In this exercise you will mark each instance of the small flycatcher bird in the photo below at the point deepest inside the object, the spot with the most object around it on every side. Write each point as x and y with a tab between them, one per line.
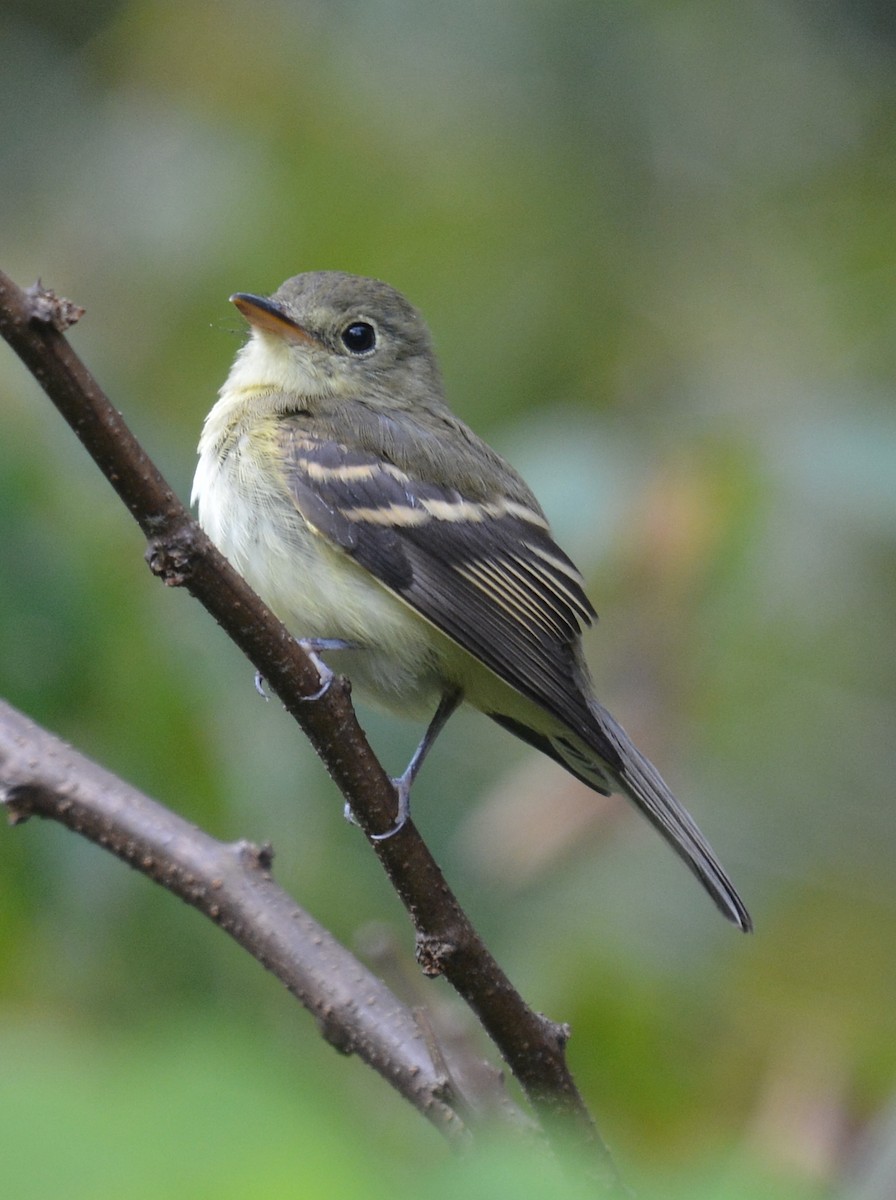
383	531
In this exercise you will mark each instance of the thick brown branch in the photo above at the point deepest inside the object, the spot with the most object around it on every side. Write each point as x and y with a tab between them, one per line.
179	551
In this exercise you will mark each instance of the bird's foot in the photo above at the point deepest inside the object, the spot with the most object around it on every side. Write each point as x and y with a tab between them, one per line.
313	648
402	787
403	791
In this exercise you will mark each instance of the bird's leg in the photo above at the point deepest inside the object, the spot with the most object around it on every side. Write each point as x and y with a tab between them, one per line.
313	648
405	781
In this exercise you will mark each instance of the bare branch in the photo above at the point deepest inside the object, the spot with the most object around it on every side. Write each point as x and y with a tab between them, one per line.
182	555
231	884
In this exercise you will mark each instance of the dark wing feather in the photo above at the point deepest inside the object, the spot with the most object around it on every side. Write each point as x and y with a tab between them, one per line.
488	574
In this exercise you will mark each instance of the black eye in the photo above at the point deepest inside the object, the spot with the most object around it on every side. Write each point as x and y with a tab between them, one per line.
359	337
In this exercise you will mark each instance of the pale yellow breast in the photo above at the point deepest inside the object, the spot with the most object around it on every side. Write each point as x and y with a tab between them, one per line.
315	588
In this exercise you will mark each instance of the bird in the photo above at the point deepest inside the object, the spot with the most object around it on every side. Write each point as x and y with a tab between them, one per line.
387	535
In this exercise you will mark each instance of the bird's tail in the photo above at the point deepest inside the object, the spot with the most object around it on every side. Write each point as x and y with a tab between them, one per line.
641	781
611	762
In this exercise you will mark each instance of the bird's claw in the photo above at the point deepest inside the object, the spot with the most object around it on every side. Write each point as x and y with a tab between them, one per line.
313	647
403	792
325	674
402	787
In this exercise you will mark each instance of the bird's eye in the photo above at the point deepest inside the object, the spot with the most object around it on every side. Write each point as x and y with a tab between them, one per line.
359	337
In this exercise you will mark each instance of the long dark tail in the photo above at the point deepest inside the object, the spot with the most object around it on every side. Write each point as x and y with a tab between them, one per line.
622	767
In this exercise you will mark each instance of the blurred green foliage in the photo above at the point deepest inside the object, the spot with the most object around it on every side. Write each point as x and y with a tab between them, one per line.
655	244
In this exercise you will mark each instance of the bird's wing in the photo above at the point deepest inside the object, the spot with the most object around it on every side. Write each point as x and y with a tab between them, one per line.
488	574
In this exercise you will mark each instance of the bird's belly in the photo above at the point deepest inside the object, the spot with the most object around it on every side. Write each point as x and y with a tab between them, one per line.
319	592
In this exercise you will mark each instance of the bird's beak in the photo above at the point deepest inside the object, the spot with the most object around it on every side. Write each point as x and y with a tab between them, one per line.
262	313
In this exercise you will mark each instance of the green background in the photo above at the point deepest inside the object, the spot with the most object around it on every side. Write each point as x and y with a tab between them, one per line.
655	243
